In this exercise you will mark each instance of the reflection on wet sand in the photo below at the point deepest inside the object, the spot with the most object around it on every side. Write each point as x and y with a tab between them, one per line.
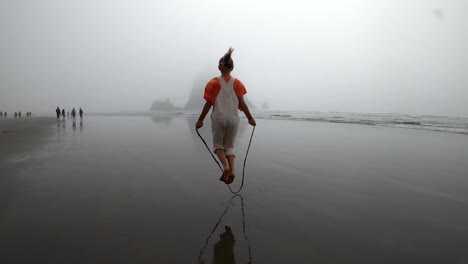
223	251
165	119
60	123
224	248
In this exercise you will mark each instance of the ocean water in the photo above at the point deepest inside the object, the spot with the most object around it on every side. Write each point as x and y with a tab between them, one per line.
420	122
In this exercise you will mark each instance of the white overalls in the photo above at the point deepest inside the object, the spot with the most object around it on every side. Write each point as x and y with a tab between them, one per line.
225	118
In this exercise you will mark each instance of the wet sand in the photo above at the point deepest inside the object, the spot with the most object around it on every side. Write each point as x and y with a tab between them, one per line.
22	134
138	189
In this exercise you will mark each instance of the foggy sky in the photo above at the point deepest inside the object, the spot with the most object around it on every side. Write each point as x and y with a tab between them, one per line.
353	56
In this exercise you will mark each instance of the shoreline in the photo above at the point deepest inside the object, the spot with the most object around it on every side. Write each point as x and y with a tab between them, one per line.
454	125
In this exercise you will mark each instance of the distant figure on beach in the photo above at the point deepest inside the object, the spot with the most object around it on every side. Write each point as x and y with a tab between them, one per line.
226	95
224	248
16	114
19	114
73	113
81	114
57	111
63	113
68	114
5	114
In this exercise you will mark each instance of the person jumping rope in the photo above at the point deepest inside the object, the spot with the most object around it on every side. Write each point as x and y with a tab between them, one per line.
226	95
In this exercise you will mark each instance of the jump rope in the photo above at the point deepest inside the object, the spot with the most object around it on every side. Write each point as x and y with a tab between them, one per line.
236	194
245	160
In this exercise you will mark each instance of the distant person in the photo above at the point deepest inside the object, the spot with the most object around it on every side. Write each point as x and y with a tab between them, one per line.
68	114
73	113
58	112
16	114
19	114
226	95
81	114
63	113
6	114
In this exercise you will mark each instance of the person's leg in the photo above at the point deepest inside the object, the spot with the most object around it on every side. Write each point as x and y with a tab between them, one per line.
230	138
224	162
217	128
232	175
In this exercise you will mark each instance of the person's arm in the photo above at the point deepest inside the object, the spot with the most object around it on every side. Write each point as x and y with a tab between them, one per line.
246	110
206	109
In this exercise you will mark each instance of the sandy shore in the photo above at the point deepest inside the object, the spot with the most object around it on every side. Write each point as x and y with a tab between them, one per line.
23	134
136	189
19	137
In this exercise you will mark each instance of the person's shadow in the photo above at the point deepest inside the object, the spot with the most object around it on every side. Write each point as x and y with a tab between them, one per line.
223	250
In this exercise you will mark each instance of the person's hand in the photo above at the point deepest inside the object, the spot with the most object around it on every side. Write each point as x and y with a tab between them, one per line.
199	124
252	122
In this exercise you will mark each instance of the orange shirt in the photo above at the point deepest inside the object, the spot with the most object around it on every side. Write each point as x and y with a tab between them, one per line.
214	86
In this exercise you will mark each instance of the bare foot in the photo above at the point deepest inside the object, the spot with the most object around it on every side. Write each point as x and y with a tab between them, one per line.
231	177
225	176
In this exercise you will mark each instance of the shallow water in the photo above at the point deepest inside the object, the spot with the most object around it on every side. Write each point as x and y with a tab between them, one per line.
144	189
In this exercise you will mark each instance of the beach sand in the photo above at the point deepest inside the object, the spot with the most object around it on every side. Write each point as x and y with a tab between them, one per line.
144	189
22	134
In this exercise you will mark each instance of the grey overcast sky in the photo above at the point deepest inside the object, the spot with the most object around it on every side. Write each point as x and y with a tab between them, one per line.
403	56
